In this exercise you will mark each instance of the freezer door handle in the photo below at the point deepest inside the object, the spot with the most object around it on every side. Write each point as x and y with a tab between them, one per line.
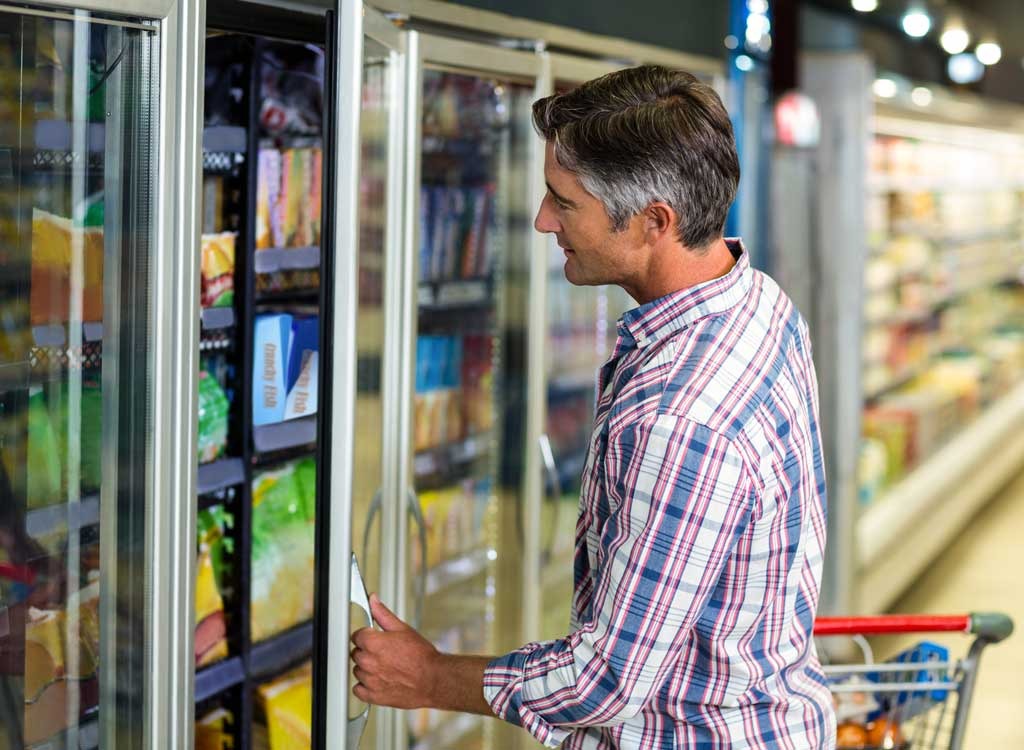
358	597
553	495
416	511
413	502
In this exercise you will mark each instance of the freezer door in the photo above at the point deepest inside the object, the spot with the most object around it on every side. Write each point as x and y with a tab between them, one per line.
463	570
358	485
78	238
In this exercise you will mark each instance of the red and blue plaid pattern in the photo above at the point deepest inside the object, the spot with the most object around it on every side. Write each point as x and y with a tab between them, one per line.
700	540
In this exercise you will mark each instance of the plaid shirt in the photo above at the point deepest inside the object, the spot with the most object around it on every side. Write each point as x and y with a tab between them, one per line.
699	543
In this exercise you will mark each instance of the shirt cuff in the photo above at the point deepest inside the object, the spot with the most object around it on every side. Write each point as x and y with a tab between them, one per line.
503	688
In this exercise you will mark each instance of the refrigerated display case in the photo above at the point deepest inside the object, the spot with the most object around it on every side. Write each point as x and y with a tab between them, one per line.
85	378
933	308
297	356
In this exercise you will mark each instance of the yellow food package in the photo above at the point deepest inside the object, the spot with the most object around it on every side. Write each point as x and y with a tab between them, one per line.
288	704
55	240
213	731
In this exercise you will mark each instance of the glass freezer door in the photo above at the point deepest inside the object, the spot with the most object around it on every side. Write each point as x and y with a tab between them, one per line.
357	487
77	146
472	248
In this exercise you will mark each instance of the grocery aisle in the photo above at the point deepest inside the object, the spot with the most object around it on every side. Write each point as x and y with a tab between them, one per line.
982	570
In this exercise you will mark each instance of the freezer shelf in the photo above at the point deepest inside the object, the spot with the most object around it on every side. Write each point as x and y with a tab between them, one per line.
63	517
217	678
278	653
903	530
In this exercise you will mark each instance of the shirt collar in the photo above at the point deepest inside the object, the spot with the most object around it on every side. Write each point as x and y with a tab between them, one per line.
678	310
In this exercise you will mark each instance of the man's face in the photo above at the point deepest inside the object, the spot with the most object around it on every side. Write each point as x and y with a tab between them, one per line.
594	252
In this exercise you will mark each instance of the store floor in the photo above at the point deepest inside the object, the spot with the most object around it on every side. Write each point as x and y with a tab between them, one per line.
984	570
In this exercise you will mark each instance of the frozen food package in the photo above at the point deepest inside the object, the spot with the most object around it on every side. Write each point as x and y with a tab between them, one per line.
316	194
282	554
47	443
218	270
213	731
211	628
272	342
54	240
302	368
211	576
51	636
213	418
268	188
287	703
302	183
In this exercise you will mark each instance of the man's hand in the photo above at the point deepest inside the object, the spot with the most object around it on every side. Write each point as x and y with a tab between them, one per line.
395	666
398	667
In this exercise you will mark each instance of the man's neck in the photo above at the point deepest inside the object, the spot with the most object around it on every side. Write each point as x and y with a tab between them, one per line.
676	268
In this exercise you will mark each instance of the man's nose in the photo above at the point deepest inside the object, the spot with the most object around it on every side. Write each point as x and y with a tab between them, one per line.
546	222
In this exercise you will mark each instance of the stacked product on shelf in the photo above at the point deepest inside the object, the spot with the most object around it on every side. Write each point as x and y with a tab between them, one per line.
454	227
212	565
214	730
944	306
285	367
283	517
453	518
454	378
62	647
287	706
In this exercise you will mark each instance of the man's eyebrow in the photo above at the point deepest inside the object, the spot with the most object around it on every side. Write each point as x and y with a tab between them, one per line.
560	198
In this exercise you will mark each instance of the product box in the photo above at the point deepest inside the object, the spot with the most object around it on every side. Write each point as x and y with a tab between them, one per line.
218	269
287	702
272	342
303	368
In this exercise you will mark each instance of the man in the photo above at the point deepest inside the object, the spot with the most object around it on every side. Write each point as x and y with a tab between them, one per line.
702	515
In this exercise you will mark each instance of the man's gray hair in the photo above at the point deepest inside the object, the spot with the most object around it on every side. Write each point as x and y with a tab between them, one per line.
648	134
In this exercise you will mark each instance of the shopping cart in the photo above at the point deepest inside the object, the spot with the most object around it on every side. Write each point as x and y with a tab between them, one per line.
917	700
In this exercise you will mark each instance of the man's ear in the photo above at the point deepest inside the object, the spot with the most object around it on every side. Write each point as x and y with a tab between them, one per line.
659	219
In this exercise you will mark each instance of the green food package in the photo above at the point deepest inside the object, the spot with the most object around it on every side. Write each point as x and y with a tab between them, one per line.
213	418
212	526
305	477
44	466
48	448
282	554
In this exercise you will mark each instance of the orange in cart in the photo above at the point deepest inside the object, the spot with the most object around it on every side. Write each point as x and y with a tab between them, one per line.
885	734
851	736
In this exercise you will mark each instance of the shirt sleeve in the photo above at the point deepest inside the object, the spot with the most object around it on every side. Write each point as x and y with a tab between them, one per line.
679	498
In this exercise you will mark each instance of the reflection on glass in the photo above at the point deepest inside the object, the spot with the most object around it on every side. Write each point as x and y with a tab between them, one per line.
74	103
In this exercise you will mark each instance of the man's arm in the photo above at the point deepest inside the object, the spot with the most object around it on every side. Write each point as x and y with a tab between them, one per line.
681	498
398	667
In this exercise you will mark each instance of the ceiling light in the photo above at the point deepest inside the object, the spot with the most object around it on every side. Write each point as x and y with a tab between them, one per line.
864	6
965	68
884	87
916	23
989	53
757	6
955	39
744	63
921	96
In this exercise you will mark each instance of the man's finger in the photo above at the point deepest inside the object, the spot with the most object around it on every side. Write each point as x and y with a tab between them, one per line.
362	675
360	691
387	619
358	637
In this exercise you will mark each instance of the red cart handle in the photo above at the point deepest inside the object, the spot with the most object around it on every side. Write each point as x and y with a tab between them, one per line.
993	627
